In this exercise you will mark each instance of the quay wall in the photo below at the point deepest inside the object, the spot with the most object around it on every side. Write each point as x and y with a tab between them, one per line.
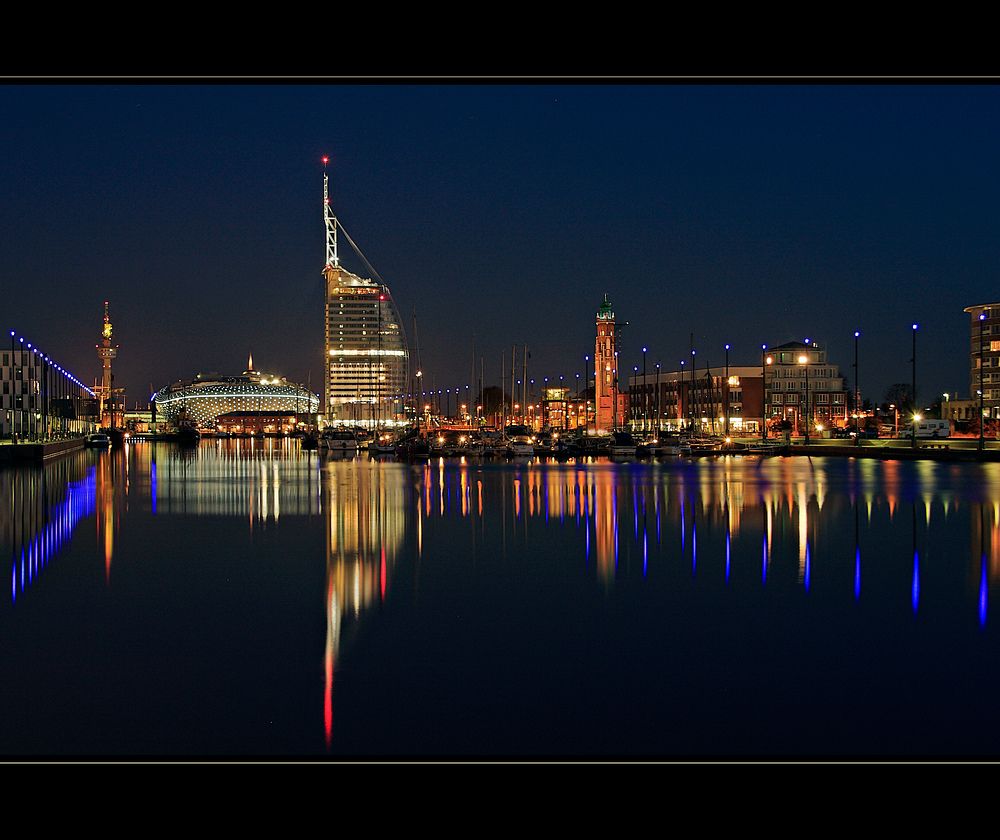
925	452
39	451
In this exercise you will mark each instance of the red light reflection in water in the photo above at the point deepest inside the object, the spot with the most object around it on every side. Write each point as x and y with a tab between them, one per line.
779	509
328	661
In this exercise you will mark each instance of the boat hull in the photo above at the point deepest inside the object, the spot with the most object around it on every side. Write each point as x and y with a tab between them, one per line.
339	442
520	447
413	450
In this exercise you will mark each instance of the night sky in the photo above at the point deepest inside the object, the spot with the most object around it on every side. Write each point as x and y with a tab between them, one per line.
500	215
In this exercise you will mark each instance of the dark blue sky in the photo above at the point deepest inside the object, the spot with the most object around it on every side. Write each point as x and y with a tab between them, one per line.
501	215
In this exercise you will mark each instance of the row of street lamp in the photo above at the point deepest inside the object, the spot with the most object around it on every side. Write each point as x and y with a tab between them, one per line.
19	345
803	360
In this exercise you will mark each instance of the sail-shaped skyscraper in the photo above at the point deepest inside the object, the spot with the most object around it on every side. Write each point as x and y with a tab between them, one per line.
366	355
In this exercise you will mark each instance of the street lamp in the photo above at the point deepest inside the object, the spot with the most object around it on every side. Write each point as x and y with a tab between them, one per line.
681	407
726	386
644	400
982	423
614	391
657	398
635	374
804	360
913	431
20	413
857	394
763	391
12	399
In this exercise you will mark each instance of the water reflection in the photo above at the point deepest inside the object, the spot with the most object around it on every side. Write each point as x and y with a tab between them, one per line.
365	517
41	509
670	541
710	512
789	506
257	479
819	512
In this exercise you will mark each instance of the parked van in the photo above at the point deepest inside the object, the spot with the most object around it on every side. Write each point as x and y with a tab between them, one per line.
933	428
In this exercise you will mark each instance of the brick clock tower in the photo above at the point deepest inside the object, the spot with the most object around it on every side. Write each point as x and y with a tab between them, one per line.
608	402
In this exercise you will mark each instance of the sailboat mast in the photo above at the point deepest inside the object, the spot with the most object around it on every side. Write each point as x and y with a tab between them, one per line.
503	402
524	384
416	341
513	368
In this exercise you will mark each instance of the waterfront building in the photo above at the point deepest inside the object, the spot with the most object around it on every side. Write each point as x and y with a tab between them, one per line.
555	410
255	423
140	420
698	401
609	400
205	398
960	411
365	346
793	381
802	386
40	399
984	357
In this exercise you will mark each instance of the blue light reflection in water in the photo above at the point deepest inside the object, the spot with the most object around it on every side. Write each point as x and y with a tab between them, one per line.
728	554
857	573
983	590
254	599
694	542
45	507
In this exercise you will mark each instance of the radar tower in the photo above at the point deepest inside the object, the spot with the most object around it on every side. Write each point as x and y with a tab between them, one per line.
332	259
106	353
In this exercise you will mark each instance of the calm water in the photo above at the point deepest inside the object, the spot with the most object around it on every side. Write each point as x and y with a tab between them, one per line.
248	599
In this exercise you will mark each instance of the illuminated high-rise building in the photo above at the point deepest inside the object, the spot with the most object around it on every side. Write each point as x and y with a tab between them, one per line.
366	355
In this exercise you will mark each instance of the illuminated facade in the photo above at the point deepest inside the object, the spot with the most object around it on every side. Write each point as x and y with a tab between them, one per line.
802	385
609	402
39	399
984	358
792	382
366	353
365	356
714	401
205	399
556	412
